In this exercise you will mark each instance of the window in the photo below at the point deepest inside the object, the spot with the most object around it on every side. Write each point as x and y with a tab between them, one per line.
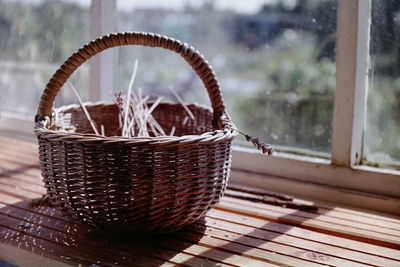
315	78
275	62
382	145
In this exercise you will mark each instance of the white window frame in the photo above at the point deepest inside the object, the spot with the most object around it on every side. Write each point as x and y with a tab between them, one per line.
342	178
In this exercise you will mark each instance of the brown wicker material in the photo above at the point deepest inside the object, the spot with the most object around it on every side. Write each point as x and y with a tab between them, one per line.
141	184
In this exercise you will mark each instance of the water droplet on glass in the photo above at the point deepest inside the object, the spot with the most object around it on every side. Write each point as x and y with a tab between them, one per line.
292	98
290	35
274	136
319	130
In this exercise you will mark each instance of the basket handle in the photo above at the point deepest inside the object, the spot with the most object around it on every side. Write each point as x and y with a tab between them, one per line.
192	56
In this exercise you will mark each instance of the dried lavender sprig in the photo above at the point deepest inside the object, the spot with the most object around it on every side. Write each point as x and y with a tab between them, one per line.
119	100
257	143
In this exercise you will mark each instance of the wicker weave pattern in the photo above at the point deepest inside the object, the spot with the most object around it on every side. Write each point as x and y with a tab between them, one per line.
152	184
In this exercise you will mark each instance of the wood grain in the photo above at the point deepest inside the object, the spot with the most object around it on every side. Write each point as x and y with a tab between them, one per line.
236	233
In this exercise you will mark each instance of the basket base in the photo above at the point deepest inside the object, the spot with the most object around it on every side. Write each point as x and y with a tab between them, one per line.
126	230
130	227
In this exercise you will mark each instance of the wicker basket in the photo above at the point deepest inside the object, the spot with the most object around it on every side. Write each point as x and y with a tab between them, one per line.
146	185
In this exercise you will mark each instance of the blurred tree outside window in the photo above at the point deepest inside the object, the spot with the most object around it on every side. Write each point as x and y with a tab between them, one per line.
36	37
275	61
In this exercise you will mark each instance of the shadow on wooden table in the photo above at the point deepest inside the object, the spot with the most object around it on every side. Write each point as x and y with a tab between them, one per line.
257	238
44	231
19	170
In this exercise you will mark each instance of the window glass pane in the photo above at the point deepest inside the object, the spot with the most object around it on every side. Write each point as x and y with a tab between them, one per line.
275	61
36	37
382	139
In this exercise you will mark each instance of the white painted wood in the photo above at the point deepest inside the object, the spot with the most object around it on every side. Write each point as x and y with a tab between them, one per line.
318	192
102	21
318	171
346	49
352	52
361	89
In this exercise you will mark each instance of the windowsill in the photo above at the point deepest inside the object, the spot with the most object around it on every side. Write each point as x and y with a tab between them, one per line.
311	177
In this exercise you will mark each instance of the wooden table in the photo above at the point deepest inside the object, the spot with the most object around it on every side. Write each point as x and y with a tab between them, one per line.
241	230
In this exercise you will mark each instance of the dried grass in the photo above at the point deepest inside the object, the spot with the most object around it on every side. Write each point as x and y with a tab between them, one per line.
92	123
182	103
128	100
135	116
136	119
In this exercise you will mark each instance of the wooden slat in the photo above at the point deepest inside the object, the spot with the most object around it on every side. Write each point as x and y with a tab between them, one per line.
194	255
21	159
23	185
45	222
12	201
93	249
26	172
49	222
230	240
12	175
20	148
316	247
32	216
19	154
52	224
211	252
44	247
237	233
304	234
4	141
186	258
59	240
228	248
301	238
333	211
277	213
75	256
319	215
18	192
21	257
357	216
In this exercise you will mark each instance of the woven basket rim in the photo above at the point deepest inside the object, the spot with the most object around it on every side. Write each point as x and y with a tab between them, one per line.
227	133
92	104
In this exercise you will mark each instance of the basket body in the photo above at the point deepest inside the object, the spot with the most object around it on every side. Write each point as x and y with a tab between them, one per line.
146	186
